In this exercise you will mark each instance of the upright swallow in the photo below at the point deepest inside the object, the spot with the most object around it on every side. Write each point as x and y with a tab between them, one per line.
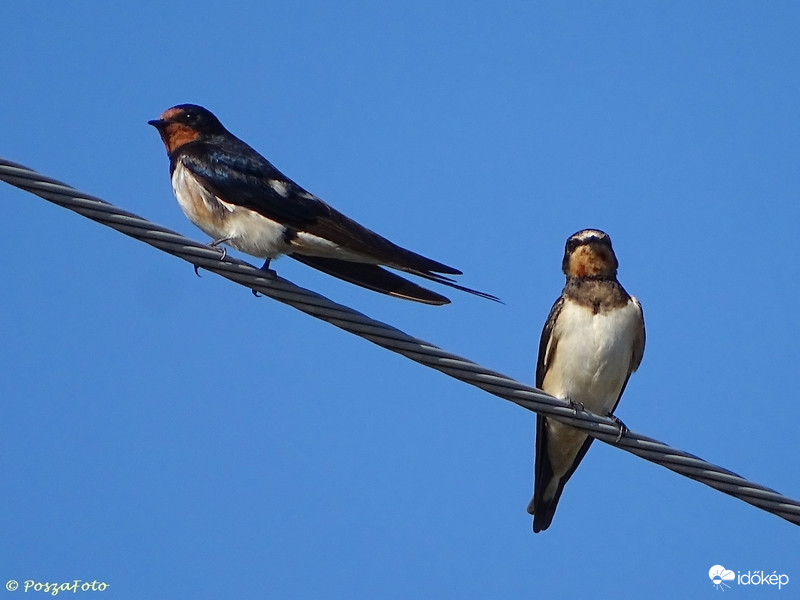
591	343
237	197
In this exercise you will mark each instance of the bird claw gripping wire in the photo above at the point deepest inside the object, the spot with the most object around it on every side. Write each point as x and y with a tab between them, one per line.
214	245
272	273
623	429
576	407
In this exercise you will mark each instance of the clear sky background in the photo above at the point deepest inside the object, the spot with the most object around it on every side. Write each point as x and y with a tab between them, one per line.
176	437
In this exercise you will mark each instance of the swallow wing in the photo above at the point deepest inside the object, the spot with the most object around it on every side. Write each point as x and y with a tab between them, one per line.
373	277
638	350
543	472
238	175
543	505
548	343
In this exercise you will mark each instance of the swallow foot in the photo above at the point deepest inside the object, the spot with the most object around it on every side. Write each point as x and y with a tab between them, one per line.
623	429
576	407
267	270
214	245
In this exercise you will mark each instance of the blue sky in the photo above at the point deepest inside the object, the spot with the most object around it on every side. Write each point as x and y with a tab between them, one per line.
176	437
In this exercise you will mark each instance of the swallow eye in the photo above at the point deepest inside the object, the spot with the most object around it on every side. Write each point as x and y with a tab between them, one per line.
189	117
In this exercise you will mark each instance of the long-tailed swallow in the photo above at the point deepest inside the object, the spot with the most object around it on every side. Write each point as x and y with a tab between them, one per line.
237	197
591	343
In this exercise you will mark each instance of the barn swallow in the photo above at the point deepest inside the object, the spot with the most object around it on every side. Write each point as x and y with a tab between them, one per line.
591	343
237	197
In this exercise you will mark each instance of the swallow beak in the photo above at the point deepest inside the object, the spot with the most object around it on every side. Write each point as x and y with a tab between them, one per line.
158	123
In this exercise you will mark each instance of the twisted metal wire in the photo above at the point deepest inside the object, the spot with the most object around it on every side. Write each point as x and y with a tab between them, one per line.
386	336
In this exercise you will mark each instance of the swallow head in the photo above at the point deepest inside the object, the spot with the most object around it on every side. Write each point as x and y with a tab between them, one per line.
589	255
186	123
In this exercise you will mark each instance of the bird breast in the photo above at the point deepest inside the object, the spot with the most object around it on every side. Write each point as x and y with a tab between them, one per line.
593	355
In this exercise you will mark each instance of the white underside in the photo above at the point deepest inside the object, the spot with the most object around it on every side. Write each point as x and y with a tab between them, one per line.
592	361
244	229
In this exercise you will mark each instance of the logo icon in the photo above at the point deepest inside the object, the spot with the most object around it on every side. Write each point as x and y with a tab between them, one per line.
719	575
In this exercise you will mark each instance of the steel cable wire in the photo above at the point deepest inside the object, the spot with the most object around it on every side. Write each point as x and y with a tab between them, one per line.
391	338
